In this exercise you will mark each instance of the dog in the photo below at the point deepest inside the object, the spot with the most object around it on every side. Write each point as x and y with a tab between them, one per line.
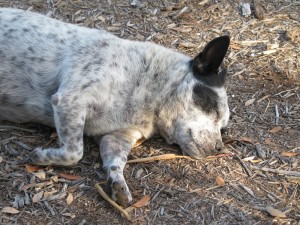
88	81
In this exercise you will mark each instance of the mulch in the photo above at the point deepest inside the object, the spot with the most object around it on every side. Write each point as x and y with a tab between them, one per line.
257	184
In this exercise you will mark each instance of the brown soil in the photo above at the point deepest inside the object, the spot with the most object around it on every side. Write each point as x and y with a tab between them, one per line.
264	77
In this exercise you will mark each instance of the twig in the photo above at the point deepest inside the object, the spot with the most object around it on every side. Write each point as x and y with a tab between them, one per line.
293	89
284	7
267	107
253	42
294	149
16	128
289	173
276	115
49	208
110	201
7	140
159	157
242	163
78	6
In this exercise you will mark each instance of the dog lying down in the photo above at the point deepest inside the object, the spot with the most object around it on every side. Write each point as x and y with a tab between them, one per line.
88	81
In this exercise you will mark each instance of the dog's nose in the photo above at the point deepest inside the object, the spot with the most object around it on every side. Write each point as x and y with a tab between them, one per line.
219	145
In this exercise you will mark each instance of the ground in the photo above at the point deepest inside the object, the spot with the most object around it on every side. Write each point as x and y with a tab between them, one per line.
264	133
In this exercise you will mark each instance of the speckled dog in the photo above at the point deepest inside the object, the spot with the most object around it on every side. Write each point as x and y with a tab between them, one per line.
88	81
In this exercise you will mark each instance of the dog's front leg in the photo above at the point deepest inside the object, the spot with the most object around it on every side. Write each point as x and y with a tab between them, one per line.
114	149
69	116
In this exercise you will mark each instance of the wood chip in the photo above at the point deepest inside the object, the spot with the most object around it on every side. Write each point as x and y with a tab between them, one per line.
260	152
284	172
187	45
294	180
275	212
41	175
37	197
69	199
249	102
9	210
258	10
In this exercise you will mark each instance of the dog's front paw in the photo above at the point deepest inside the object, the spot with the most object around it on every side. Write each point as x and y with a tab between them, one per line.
119	192
37	157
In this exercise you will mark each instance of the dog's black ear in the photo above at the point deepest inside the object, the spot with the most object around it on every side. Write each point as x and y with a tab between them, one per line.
209	60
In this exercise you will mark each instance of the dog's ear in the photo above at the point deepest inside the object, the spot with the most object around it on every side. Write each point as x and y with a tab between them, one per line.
209	60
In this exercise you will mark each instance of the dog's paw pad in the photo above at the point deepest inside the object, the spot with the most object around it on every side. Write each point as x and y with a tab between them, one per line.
120	192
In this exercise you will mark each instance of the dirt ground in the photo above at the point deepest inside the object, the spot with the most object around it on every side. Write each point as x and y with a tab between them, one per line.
261	178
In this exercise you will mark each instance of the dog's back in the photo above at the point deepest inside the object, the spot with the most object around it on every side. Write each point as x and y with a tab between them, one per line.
34	53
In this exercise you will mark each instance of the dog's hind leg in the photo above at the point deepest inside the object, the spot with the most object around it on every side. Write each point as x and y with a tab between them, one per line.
114	149
69	116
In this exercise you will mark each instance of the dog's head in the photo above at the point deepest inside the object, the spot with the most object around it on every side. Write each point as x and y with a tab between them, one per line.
197	110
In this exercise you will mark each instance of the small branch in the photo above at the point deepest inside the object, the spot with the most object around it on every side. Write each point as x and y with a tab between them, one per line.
159	157
289	173
2	127
242	163
110	201
276	115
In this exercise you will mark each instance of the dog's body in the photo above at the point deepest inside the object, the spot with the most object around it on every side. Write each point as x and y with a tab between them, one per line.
88	81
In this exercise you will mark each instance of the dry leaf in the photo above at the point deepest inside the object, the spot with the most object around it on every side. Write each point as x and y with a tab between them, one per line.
70	199
275	129
30	168
54	178
37	197
289	154
245	139
41	175
187	45
69	176
1	159
142	202
275	212
250	101
220	181
9	210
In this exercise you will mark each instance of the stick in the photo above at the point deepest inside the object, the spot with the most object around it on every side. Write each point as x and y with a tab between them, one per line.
294	149
110	201
289	173
276	115
159	157
16	128
243	164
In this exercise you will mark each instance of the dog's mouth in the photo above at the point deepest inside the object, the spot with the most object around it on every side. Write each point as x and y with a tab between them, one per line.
197	151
